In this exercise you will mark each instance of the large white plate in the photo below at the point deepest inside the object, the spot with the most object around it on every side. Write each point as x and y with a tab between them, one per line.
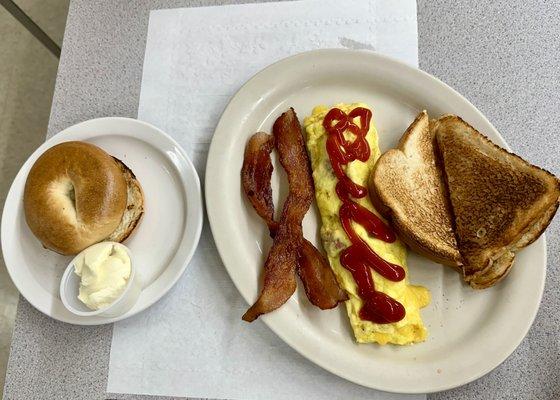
471	332
162	244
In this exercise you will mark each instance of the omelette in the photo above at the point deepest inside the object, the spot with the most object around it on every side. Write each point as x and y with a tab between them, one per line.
409	329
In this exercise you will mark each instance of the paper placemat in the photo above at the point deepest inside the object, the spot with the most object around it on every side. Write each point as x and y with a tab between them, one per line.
192	343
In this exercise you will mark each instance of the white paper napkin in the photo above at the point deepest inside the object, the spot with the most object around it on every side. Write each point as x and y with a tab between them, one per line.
193	343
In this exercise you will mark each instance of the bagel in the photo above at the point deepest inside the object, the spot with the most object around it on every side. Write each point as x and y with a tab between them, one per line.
77	195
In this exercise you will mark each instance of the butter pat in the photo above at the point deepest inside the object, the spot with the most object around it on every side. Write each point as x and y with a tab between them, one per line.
104	270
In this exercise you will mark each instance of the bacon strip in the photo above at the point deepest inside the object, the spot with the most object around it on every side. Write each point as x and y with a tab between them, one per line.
318	279
313	269
255	177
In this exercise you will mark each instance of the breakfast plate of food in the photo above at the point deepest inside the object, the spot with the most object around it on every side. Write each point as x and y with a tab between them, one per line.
101	221
377	222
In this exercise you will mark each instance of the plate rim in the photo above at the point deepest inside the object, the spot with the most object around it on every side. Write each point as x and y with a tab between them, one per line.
195	211
212	205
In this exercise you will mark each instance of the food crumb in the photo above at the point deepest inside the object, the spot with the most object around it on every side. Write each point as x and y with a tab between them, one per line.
438	370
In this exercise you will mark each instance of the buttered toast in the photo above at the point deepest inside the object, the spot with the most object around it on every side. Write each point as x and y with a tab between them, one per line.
407	187
459	199
500	202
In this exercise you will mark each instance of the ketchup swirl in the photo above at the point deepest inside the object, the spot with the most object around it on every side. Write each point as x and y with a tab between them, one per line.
359	257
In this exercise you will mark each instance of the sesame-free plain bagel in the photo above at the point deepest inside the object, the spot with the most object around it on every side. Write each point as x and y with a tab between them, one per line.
77	195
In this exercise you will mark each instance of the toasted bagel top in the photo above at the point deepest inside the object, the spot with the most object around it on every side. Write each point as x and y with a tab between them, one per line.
75	195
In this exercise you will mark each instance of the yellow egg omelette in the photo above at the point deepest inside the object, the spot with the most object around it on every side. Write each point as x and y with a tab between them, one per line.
410	329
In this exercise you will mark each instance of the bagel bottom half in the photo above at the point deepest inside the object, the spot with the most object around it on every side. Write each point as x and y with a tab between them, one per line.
134	205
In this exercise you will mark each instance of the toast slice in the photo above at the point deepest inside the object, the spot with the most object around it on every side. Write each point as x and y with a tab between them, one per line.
500	202
407	187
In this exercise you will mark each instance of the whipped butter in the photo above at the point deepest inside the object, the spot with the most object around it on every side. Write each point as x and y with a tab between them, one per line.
104	270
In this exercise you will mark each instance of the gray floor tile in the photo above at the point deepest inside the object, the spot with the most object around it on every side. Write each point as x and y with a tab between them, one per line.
27	77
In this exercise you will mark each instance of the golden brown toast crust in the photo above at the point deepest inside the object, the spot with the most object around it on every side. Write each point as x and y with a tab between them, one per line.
407	187
500	202
499	269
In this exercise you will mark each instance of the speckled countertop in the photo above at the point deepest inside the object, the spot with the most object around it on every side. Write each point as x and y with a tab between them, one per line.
504	56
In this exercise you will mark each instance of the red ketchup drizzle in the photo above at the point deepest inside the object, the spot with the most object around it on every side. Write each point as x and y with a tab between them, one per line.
359	257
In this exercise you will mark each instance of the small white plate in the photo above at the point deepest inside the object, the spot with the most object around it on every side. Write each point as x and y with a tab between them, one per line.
471	332
162	244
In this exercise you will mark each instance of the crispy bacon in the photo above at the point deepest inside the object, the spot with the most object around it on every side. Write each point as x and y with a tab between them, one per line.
281	263
287	252
318	278
255	176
